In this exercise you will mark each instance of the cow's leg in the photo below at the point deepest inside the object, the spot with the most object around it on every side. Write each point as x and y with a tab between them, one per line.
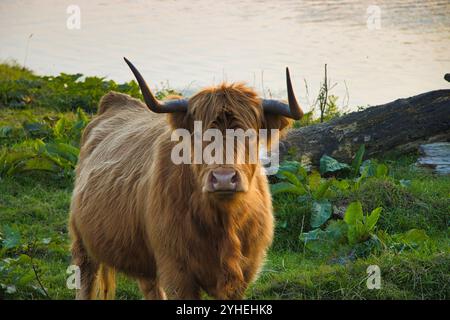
151	289
182	289
230	286
88	270
177	282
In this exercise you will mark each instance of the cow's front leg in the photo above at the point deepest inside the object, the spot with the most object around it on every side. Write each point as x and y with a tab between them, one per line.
182	287
177	281
231	285
230	282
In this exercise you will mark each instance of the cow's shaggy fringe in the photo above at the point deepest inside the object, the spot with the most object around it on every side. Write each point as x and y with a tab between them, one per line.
136	212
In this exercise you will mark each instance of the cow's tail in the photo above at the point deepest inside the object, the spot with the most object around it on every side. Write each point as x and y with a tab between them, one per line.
106	283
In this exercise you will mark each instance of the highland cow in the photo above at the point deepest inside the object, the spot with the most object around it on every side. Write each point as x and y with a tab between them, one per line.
178	229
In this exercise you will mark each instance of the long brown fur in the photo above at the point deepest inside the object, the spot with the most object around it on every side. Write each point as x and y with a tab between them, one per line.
136	212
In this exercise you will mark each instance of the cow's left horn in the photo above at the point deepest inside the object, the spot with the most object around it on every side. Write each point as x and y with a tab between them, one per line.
179	105
291	110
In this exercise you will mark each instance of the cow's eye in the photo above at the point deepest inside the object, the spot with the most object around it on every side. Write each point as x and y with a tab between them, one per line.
234	125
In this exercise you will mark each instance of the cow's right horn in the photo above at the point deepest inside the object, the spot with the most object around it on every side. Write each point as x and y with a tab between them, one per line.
179	105
291	110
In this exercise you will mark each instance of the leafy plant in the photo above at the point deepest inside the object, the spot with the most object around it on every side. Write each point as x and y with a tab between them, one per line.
357	160
411	239
357	171
356	229
360	227
52	146
65	92
331	165
295	179
21	272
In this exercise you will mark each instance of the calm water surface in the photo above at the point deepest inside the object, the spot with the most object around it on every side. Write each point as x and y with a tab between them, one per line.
195	43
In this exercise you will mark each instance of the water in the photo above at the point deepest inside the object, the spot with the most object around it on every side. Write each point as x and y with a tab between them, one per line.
195	43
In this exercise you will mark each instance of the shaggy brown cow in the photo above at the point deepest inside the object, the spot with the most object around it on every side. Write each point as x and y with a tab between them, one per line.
177	229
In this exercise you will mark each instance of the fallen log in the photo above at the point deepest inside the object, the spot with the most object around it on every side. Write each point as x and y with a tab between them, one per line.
401	125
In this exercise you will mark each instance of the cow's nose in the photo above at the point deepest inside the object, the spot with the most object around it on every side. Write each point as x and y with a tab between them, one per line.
224	179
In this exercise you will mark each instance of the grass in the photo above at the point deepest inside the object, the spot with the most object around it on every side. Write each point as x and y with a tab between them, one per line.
422	273
411	275
13	71
36	206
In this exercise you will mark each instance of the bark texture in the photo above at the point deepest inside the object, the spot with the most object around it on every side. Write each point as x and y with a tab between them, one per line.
401	125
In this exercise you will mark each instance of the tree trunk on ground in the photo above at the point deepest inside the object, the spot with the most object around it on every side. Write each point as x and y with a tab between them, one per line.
401	125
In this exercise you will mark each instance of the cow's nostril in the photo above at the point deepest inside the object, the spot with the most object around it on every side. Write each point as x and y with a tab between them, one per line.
224	179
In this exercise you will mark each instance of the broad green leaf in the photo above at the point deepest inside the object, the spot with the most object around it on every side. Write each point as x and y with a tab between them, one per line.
290	166
364	174
321	212
286	187
367	169
82	116
63	150
354	213
382	171
355	232
341	184
77	127
322	241
11	237
372	219
292	178
329	164
40	164
36	129
15	158
356	163
302	173
414	237
323	188
314	180
337	230
367	245
38	145
59	128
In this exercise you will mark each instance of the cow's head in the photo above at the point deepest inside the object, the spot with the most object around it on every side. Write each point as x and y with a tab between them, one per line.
224	107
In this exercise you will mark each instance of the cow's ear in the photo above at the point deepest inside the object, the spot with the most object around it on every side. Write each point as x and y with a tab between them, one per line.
180	120
274	121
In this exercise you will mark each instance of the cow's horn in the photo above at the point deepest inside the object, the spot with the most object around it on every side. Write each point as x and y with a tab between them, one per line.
291	110
179	105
